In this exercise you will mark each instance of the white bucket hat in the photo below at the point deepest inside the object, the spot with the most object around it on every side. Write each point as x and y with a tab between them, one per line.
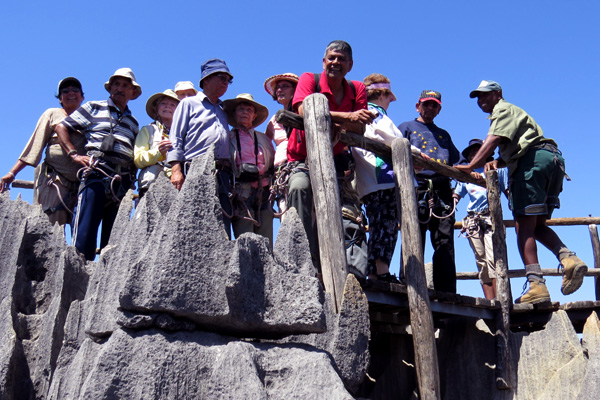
185	85
125	73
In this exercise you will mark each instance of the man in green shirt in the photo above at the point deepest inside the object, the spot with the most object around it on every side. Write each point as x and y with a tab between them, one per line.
536	170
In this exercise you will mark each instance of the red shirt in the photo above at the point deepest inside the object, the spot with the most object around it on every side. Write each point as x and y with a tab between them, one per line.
306	86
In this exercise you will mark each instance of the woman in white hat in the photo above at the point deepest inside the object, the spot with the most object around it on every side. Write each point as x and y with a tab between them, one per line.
152	143
375	180
185	89
282	88
253	154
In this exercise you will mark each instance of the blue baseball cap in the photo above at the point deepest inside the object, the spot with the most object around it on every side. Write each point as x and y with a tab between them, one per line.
213	66
485	86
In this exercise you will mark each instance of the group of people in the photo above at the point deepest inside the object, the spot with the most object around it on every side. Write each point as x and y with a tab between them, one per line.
94	150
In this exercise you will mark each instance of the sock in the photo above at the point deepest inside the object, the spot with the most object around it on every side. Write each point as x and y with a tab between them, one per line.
534	273
561	252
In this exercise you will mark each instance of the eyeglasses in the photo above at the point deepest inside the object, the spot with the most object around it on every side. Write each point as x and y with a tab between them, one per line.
283	87
225	78
70	90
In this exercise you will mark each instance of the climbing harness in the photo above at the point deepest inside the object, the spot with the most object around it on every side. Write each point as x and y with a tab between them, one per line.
430	200
279	186
474	223
94	166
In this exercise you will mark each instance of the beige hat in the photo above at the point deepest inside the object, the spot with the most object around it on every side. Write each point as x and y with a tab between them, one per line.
125	73
229	107
185	85
272	81
154	98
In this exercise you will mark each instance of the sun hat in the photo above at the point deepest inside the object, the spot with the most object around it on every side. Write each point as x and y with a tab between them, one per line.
66	82
154	98
472	144
125	73
427	95
272	81
213	66
485	86
229	107
185	85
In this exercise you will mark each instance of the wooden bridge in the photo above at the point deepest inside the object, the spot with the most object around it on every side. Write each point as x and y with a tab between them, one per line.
395	306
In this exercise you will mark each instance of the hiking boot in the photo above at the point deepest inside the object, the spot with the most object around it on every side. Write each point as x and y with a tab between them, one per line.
537	293
574	271
391	278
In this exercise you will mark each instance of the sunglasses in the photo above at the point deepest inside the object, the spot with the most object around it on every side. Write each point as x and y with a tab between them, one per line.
70	90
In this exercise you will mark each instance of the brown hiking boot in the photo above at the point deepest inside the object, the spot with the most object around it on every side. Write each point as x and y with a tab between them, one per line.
574	271
537	293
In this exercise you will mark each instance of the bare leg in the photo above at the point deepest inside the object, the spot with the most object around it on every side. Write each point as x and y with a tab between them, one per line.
382	268
489	289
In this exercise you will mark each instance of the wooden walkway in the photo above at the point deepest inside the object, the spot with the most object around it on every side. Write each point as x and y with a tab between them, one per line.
389	309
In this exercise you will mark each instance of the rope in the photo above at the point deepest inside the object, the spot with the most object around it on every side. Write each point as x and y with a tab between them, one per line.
84	172
279	187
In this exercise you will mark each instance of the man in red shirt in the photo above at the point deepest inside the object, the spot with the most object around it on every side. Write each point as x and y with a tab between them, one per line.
348	107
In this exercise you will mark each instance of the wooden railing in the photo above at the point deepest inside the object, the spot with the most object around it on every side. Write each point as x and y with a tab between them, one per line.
317	124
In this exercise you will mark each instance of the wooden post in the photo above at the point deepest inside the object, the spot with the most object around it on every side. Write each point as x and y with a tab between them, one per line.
421	320
504	377
596	251
317	125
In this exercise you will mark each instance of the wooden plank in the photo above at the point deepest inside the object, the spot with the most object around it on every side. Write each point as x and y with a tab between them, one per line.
575	221
289	118
326	196
580	304
596	251
421	320
520	273
504	359
17	183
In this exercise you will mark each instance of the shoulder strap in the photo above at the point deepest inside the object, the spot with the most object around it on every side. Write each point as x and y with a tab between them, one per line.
317	84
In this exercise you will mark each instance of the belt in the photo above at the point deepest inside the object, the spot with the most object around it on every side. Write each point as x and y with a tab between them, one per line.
546	146
223	164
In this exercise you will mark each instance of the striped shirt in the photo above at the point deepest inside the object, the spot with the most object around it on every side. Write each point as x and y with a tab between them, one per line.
96	119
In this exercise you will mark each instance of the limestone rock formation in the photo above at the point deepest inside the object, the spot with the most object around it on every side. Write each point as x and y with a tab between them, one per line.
171	308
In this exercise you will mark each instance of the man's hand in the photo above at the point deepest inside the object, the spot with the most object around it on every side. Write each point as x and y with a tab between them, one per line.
361	116
177	177
464	168
424	157
6	181
493	165
84	161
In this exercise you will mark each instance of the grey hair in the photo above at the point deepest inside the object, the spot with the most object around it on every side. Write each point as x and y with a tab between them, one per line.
339	46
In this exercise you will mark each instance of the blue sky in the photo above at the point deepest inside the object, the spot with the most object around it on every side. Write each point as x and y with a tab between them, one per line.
544	54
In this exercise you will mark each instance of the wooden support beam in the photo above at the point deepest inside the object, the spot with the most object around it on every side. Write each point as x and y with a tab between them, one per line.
289	118
520	273
504	374
509	223
17	183
596	251
332	253
421	320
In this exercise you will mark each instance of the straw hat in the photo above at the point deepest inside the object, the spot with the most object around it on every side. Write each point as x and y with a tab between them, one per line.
229	107
272	81
125	73
154	98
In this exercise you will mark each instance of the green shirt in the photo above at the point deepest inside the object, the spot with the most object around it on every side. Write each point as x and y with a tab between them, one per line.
513	123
